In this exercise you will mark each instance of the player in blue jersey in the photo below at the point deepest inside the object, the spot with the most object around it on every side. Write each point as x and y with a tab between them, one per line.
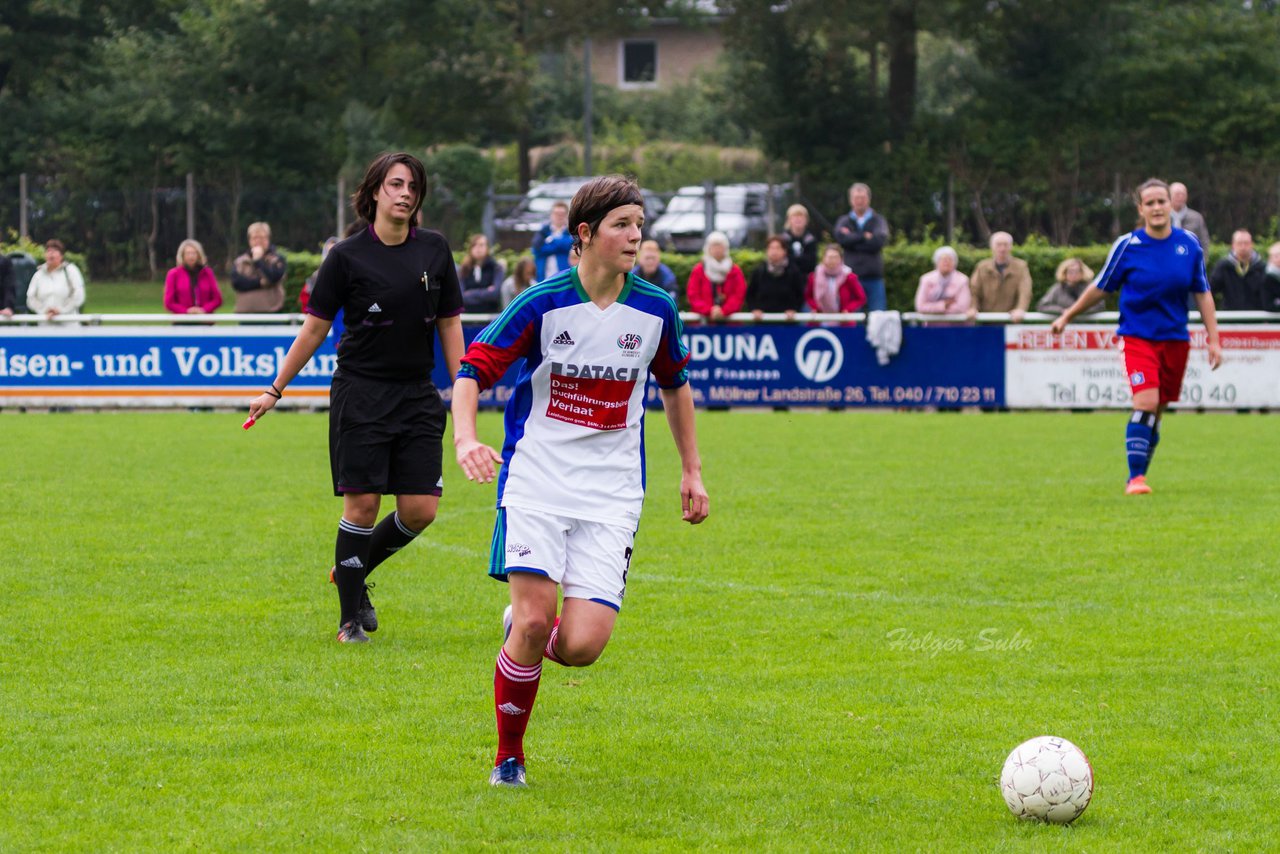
572	481
1154	268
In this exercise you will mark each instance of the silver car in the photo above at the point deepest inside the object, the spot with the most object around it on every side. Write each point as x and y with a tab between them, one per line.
742	213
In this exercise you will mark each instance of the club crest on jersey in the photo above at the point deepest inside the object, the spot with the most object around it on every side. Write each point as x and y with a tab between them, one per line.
595	372
1137	378
629	341
1181	250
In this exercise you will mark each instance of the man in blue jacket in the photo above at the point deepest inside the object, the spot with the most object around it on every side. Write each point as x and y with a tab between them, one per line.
552	243
863	233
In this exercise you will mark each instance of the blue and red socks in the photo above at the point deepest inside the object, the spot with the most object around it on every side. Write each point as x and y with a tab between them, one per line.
1139	441
515	687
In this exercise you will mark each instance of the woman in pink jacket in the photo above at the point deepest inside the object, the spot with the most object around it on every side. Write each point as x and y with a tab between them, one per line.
190	287
943	290
833	287
716	286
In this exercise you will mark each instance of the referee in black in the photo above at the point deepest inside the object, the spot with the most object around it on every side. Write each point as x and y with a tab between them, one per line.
397	286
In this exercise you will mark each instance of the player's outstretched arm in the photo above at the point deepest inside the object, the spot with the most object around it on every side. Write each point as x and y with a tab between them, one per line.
475	458
695	505
1090	297
310	337
1209	315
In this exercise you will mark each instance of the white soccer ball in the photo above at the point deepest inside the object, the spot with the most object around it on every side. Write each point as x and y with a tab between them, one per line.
1047	779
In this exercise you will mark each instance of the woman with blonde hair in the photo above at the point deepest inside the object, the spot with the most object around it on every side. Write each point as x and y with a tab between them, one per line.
1070	281
191	287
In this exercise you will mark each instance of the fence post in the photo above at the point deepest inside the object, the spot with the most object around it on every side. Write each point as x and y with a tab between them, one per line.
23	231
487	216
586	108
342	207
191	206
708	209
951	208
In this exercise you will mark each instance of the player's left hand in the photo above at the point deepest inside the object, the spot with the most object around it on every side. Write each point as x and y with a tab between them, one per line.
694	503
1215	356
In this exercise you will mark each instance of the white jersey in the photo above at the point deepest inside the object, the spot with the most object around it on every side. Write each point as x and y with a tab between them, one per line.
575	438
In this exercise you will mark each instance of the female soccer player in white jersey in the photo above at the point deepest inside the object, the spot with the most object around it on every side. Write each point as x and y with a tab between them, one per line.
572	480
1154	268
397	287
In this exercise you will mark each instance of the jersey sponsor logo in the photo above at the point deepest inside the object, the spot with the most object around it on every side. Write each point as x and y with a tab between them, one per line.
511	709
597	402
629	341
564	339
353	562
595	372
819	355
375	308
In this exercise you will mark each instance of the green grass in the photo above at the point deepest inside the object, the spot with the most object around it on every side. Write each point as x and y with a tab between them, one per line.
170	679
140	297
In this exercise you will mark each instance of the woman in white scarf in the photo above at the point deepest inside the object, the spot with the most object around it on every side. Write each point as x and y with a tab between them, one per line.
716	284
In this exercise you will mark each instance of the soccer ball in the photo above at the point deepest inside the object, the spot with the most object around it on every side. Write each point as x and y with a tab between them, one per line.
1047	779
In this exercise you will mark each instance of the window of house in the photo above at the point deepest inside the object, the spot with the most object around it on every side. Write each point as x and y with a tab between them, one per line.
639	63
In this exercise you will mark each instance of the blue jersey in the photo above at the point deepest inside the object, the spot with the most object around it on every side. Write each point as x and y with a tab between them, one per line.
1154	278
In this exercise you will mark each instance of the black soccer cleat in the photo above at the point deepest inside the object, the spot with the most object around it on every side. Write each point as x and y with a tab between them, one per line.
368	616
352	632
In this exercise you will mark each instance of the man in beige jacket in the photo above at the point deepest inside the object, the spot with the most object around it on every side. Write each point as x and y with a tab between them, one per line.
1001	282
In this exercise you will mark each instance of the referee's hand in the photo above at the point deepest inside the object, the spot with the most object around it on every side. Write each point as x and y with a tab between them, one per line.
260	405
477	460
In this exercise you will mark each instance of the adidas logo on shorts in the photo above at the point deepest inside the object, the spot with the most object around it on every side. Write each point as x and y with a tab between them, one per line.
564	338
353	562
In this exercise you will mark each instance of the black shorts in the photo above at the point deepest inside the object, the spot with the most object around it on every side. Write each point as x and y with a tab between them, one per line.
385	437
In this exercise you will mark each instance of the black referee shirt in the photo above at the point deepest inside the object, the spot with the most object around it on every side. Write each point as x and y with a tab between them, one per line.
391	297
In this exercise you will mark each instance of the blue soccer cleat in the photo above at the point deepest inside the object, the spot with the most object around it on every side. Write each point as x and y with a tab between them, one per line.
509	773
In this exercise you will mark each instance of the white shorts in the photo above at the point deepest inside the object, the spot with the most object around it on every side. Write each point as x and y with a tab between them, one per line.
589	560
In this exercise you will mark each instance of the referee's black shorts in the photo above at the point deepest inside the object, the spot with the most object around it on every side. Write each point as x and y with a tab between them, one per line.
385	437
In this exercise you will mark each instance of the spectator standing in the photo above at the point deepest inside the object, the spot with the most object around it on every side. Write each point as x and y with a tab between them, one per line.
257	276
649	267
944	289
802	243
1238	279
716	285
1186	218
863	233
1001	282
8	286
1271	285
191	287
833	288
552	243
1070	281
57	287
481	277
776	283
522	276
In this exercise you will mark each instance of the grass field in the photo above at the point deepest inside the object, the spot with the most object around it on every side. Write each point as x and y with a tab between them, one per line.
128	297
881	606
